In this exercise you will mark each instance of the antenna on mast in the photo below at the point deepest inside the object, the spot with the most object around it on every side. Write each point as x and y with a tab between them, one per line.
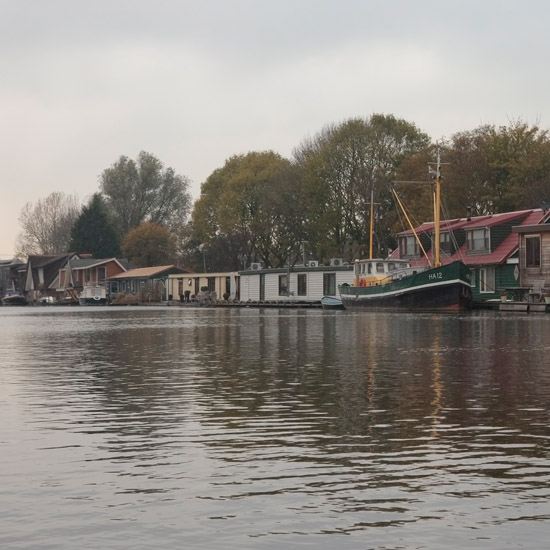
371	232
436	175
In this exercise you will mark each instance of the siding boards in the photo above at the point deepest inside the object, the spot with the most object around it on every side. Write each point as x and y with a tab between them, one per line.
250	283
531	274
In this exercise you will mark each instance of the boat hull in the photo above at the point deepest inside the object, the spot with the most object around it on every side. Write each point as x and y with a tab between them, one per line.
331	302
14	300
94	301
446	288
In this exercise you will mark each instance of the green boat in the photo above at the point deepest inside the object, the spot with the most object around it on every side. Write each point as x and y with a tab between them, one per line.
394	284
447	287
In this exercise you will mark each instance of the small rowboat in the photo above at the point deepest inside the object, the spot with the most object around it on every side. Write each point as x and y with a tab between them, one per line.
331	302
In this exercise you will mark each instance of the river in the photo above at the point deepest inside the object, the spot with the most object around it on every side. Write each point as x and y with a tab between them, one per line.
168	428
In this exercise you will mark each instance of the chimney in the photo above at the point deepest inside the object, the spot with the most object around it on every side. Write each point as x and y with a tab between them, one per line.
468	213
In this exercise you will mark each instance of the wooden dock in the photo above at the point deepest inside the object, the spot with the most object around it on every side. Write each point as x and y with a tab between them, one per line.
524	307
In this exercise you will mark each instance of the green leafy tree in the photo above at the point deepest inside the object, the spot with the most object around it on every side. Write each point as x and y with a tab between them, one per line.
148	245
498	169
247	211
342	167
489	169
93	232
144	190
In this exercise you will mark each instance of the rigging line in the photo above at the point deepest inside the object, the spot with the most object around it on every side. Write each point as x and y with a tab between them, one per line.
451	233
399	213
411	226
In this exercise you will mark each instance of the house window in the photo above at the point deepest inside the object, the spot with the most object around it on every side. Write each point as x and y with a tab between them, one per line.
329	284
445	244
283	285
211	281
408	247
532	251
101	274
302	284
477	240
487	279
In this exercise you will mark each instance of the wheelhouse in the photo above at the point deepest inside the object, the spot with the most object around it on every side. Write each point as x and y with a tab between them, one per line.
377	271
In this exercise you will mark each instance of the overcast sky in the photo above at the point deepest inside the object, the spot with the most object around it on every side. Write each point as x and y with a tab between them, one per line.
83	82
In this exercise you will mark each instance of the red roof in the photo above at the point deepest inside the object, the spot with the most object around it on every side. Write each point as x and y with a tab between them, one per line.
498	256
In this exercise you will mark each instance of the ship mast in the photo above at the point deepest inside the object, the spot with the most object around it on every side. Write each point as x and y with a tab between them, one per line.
437	208
371	221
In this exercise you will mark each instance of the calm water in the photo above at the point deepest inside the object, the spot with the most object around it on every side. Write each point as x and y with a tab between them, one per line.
146	428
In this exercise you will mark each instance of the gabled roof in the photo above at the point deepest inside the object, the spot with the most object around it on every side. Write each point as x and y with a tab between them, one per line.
149	272
11	263
503	252
50	264
86	263
489	220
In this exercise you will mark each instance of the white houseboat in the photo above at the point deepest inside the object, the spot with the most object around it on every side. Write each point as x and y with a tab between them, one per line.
300	283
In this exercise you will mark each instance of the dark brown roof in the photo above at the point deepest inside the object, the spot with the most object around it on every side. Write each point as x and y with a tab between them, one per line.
149	272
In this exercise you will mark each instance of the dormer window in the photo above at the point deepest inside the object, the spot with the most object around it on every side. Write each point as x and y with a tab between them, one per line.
477	240
445	243
408	247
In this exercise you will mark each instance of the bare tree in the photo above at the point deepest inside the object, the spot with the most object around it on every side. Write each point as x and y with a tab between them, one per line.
145	190
46	225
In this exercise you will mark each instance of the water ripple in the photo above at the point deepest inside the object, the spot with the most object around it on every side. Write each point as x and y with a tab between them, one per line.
204	428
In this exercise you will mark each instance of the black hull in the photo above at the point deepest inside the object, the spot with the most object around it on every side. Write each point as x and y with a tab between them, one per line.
92	302
452	297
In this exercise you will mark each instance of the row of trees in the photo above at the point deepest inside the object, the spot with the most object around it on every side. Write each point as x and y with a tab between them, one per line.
263	207
140	206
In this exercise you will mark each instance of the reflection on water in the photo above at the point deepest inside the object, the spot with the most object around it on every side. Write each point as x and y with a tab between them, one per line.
242	428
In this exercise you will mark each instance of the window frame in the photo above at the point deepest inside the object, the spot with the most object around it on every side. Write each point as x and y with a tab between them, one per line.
283	285
329	284
487	280
408	247
533	257
302	284
211	284
446	243
472	244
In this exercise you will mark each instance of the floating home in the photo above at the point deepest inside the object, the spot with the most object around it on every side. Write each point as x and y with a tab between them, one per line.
294	284
488	245
146	284
189	287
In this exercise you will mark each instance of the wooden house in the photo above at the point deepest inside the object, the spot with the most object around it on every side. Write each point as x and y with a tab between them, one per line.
42	276
208	286
295	284
84	276
144	284
534	255
488	245
10	280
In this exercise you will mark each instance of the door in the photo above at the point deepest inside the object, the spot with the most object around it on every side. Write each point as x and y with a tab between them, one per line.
262	287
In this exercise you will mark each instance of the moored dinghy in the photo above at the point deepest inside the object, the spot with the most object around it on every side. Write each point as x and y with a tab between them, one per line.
331	302
93	296
14	298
